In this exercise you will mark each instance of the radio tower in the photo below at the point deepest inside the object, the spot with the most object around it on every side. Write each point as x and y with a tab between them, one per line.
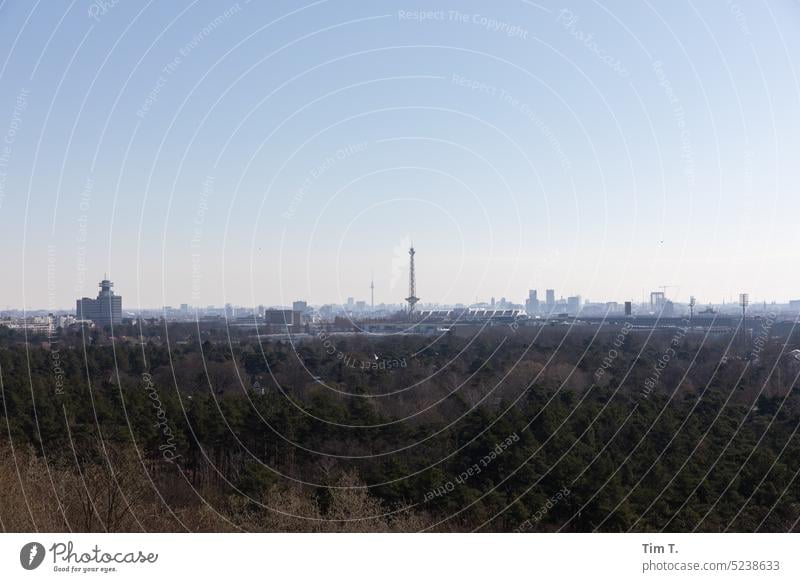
412	283
372	292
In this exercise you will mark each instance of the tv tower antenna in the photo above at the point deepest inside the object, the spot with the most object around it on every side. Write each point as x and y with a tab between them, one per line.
412	283
372	291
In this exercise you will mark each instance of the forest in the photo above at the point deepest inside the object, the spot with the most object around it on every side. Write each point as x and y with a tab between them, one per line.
568	428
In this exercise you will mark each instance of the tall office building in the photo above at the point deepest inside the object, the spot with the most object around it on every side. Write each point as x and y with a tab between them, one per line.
573	304
532	303
103	311
657	301
550	298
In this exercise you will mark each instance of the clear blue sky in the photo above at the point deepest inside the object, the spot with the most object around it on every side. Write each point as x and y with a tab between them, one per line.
256	153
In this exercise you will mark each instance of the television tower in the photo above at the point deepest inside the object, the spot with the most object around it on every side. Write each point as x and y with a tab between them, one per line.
412	283
372	292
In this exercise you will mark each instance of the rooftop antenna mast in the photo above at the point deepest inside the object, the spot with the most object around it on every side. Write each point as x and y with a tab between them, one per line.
372	291
412	283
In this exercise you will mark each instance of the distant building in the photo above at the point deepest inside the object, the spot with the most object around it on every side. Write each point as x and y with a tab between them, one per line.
550	299
103	311
657	301
574	304
532	303
300	306
628	308
36	324
281	317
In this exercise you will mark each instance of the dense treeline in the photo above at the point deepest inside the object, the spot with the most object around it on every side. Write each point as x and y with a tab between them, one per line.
506	430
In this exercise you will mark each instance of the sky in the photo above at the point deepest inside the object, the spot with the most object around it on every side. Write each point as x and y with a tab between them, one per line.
258	153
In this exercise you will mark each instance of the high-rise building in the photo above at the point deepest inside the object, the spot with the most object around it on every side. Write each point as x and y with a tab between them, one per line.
103	311
574	304
300	306
550	298
657	301
532	303
628	308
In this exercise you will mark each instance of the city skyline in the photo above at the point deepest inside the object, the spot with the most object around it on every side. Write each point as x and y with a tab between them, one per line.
544	297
